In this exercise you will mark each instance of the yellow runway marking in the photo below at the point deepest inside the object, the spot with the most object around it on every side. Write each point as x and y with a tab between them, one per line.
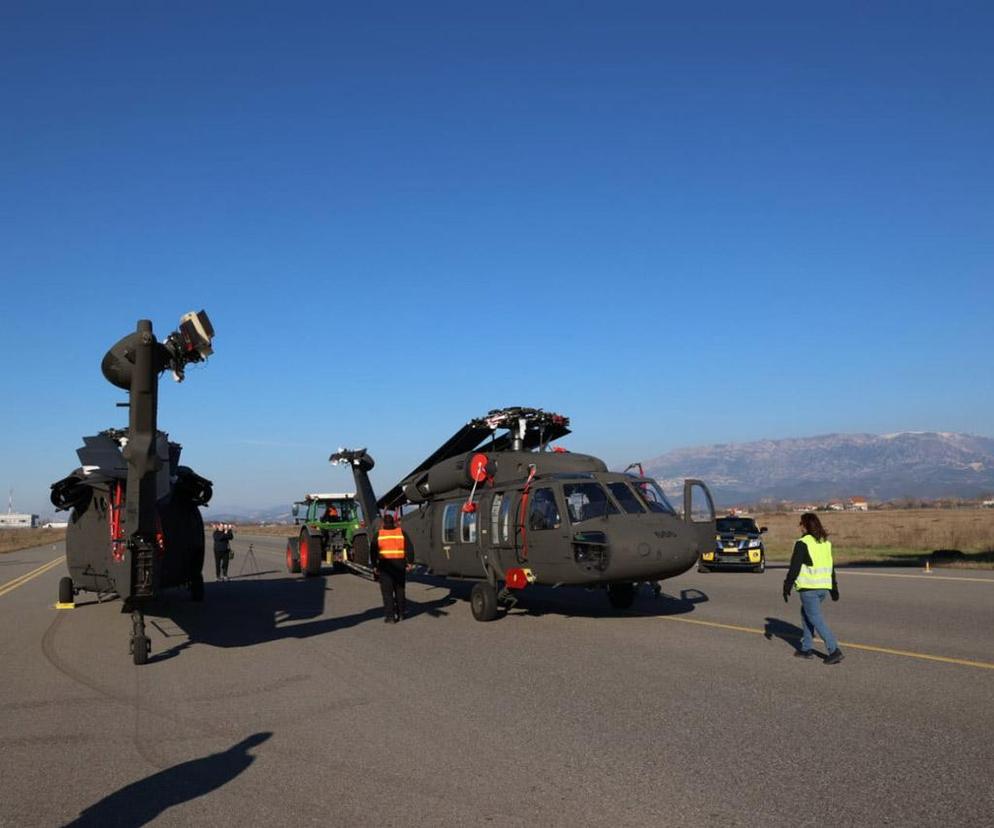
10	586
929	577
983	665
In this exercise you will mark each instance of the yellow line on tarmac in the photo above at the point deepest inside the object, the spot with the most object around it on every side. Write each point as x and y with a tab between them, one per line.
10	586
923	575
983	665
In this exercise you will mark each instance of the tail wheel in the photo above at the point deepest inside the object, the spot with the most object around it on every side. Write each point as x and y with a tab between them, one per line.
65	590
292	556
310	553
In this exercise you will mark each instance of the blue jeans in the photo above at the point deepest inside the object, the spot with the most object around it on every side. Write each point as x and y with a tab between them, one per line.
813	621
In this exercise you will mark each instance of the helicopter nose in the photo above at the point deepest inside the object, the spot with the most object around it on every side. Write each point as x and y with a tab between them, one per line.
649	555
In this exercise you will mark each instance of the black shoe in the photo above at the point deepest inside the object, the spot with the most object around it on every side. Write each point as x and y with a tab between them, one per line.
803	654
388	620
834	657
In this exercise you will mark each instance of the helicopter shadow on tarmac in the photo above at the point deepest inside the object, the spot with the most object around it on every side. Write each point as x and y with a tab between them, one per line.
143	801
576	602
243	613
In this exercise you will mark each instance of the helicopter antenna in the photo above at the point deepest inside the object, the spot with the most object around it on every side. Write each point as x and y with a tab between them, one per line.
10	502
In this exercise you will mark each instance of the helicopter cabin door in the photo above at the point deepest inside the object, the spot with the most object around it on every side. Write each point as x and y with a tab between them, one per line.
698	513
459	554
543	532
497	536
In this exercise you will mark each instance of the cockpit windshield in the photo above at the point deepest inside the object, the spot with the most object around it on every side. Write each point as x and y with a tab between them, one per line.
653	497
586	501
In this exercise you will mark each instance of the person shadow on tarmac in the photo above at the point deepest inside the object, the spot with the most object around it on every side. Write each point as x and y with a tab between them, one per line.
141	802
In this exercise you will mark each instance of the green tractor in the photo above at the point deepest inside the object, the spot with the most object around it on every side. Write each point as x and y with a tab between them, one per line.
327	523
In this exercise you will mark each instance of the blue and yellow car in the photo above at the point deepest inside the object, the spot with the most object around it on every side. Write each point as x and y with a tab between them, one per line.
738	545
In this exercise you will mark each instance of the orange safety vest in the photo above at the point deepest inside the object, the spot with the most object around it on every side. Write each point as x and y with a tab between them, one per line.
391	543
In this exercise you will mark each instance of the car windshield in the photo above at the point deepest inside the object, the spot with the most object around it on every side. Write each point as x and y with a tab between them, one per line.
738	526
653	497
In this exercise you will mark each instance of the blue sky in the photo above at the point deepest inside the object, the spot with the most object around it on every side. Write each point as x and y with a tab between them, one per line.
677	224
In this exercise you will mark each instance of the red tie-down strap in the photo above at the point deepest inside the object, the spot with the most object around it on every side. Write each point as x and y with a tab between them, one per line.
117	545
524	512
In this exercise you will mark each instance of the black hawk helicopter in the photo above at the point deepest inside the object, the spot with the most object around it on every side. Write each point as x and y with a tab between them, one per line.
135	524
509	511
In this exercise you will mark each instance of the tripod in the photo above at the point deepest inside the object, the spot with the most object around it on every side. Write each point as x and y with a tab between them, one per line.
249	556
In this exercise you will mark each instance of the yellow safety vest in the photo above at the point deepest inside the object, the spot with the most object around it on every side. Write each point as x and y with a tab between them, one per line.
819	574
391	543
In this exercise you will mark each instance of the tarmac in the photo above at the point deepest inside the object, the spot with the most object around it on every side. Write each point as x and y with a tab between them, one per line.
286	700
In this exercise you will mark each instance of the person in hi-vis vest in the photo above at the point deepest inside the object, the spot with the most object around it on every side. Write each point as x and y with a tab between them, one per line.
812	574
389	556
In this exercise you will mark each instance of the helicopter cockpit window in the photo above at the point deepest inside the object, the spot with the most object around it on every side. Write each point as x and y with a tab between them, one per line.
468	527
653	497
587	500
543	513
626	497
450	522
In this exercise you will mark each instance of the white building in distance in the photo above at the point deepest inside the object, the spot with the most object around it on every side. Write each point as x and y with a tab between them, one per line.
11	520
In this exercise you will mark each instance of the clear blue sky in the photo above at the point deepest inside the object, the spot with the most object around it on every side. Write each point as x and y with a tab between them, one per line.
677	224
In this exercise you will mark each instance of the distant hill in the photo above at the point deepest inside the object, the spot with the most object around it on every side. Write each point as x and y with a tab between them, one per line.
228	514
835	466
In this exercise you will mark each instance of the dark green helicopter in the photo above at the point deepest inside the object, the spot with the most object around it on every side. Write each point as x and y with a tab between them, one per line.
134	525
498	505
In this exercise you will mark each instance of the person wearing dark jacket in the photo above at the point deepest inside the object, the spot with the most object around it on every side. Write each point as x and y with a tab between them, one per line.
812	574
388	553
222	550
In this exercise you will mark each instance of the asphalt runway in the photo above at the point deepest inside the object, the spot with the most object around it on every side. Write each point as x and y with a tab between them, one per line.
284	700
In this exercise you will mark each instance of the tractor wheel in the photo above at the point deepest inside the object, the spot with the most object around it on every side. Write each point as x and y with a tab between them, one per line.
621	596
310	553
483	601
760	567
360	550
292	556
65	590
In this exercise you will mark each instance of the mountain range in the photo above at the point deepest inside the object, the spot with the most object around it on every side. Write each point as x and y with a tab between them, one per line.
835	466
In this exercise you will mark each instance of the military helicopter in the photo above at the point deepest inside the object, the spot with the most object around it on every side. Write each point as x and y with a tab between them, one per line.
135	524
510	511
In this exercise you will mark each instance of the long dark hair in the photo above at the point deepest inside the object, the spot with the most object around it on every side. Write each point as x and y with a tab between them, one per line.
812	526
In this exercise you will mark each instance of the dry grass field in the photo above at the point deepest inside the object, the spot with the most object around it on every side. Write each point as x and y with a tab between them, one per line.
857	535
13	539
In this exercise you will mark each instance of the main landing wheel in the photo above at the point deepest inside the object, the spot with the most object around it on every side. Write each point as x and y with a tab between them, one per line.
197	586
483	601
621	596
65	590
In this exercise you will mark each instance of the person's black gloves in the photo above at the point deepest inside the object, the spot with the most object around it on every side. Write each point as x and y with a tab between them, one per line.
835	594
786	595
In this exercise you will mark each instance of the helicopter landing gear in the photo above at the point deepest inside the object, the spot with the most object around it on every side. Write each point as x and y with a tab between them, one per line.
66	591
621	596
483	601
139	641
